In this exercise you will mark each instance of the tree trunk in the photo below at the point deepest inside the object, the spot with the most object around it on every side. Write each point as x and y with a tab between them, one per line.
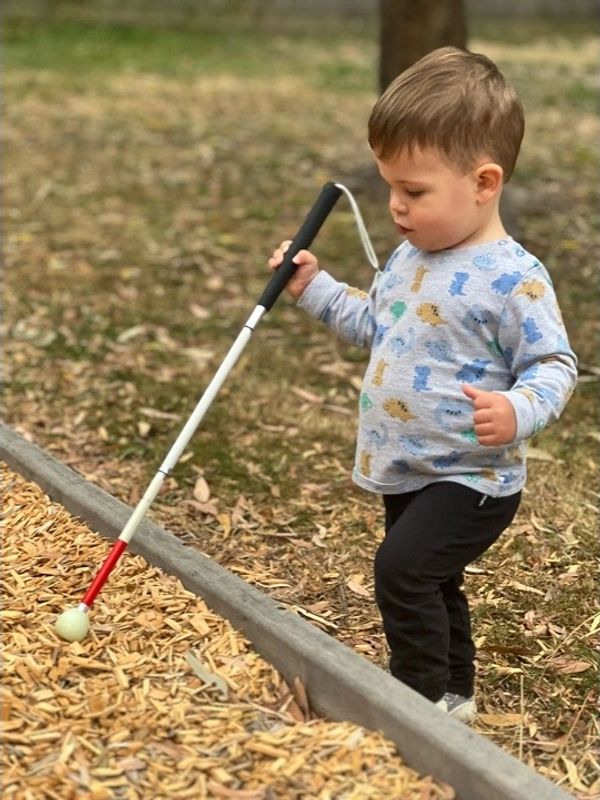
411	28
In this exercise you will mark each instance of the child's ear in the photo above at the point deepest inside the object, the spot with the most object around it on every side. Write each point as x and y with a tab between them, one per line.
488	178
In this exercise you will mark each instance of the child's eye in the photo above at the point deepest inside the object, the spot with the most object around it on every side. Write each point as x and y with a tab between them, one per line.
415	192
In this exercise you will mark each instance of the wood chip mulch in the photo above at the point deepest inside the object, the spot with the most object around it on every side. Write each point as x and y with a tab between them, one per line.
163	699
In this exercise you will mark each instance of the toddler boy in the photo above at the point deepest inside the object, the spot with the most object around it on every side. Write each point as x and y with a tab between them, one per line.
468	357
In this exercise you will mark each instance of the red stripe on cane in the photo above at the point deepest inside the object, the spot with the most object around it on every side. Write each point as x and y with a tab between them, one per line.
105	570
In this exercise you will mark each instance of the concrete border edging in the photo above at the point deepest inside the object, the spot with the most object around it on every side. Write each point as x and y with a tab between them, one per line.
340	683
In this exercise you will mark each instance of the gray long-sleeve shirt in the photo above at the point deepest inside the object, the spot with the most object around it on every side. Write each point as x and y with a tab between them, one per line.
485	315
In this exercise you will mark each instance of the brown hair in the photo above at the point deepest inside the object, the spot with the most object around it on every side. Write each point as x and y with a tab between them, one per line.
456	101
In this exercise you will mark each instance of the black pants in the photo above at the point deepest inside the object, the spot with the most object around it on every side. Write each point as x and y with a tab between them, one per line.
431	535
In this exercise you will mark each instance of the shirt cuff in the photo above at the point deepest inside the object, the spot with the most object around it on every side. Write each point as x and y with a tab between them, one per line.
318	294
524	413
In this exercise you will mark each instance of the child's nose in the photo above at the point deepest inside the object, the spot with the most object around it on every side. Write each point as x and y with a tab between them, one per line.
397	204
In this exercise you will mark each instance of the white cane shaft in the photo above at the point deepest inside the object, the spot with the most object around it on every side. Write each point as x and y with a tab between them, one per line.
210	393
190	426
143	505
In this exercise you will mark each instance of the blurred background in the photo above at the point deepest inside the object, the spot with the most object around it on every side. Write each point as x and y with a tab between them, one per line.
153	154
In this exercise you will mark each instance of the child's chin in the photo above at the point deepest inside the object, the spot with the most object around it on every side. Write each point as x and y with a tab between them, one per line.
427	244
417	241
410	236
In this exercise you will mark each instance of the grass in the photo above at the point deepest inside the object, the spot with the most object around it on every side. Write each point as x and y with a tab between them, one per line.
530	31
85	53
80	49
148	174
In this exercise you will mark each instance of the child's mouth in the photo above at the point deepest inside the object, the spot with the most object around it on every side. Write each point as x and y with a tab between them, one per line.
403	230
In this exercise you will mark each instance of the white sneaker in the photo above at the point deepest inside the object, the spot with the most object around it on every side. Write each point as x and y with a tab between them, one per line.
461	708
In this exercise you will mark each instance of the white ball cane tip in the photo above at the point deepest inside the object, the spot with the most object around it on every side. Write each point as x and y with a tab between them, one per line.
72	625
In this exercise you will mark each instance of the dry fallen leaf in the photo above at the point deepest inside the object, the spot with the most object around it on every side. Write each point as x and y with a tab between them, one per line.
304	394
154	413
573	774
569	667
199	311
210	509
201	490
207	676
500	720
225	521
143	428
522	587
354	583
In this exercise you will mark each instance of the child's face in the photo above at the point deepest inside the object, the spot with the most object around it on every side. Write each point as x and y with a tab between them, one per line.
433	204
